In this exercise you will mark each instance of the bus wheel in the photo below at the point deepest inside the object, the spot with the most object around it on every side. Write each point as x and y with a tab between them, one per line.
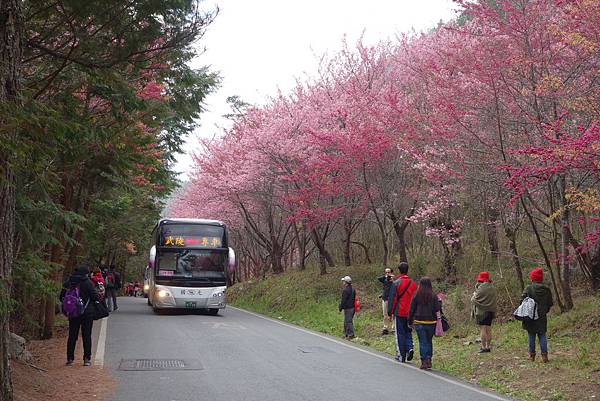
213	311
156	310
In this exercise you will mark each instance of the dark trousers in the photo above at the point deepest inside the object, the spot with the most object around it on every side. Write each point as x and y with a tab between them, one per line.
425	333
404	339
86	324
111	299
348	324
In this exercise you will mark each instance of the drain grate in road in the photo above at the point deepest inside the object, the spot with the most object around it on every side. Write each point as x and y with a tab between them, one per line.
159	364
314	350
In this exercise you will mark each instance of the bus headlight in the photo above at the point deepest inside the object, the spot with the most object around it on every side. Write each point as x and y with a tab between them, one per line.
218	294
163	293
146	287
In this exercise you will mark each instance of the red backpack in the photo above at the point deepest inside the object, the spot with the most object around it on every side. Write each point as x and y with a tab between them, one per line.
356	303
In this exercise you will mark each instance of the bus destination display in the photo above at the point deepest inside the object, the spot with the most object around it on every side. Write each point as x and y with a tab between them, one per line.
211	242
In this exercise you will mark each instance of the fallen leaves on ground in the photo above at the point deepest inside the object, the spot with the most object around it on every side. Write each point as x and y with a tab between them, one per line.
59	382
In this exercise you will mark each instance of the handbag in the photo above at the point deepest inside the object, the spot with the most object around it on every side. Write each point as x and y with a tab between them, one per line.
445	324
439	329
100	310
527	310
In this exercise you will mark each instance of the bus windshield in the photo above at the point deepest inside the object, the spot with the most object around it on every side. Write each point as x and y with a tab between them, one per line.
191	263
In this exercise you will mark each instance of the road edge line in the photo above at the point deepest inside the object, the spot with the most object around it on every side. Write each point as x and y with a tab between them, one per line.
377	355
99	357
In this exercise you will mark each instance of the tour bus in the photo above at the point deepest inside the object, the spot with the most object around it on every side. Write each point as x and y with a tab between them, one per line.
189	264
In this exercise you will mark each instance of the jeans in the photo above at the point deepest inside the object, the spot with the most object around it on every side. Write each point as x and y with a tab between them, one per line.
425	333
404	340
348	325
86	324
543	343
111	299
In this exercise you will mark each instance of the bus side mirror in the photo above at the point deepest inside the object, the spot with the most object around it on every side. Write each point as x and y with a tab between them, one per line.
231	261
152	258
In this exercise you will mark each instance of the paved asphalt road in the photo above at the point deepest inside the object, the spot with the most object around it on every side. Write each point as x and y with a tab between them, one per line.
244	357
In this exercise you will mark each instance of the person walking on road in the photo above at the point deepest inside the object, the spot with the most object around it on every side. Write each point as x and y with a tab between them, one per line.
401	293
113	282
484	306
542	296
81	281
387	280
347	305
424	312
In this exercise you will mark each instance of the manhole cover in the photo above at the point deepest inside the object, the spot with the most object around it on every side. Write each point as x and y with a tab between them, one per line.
159	364
312	350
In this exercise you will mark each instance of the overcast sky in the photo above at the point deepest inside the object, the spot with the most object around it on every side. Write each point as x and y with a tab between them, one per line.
258	46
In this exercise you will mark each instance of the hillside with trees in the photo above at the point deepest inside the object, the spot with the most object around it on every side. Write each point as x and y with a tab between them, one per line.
470	147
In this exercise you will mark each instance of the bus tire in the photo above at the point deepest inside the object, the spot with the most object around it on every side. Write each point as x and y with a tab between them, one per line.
156	310
213	311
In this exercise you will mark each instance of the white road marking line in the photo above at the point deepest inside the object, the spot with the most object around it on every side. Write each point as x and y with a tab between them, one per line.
99	357
385	358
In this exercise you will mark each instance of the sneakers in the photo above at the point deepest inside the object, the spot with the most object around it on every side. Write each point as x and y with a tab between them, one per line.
87	362
484	350
400	358
384	332
69	362
411	354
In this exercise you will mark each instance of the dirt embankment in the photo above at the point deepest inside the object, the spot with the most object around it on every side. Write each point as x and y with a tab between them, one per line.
54	381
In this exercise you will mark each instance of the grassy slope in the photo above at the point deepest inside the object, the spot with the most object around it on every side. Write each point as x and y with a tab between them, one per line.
305	299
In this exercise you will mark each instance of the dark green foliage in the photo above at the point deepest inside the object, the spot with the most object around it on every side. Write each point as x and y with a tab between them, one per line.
108	100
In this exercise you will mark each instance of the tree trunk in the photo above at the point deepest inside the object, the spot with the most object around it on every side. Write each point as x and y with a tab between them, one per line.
512	243
491	226
276	256
301	243
322	258
538	238
595	270
400	230
449	265
364	247
50	301
565	234
347	243
11	51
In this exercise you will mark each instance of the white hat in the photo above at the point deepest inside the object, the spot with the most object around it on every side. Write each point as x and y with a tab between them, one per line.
347	279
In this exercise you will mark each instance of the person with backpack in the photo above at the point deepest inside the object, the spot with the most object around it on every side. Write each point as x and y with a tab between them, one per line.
99	283
542	296
425	310
76	297
401	293
484	306
386	280
347	305
110	278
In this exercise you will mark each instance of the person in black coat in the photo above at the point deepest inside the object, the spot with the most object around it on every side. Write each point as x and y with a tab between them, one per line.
88	294
347	305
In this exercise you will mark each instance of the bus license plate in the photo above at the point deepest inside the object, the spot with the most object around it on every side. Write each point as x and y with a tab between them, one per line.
190	305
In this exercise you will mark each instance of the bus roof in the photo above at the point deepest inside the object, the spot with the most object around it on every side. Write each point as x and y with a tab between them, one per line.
191	221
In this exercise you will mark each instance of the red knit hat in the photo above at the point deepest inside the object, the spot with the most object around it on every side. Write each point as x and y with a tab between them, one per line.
537	275
483	277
